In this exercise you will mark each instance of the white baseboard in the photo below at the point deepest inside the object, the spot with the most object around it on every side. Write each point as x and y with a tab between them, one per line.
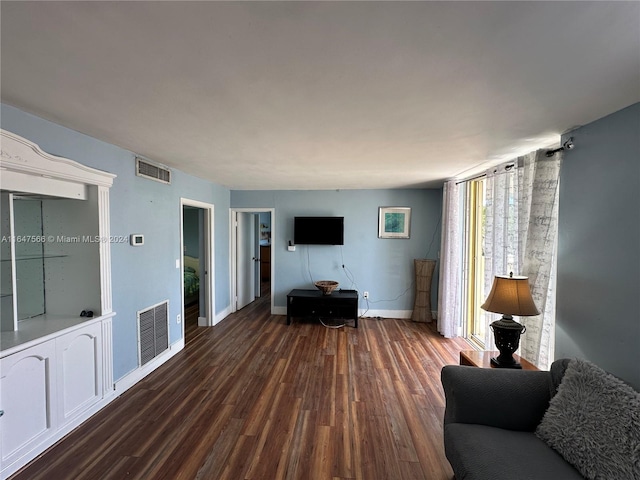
279	310
202	321
222	315
133	377
404	314
385	313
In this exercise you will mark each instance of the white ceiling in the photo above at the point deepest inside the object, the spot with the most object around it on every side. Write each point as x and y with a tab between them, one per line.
322	95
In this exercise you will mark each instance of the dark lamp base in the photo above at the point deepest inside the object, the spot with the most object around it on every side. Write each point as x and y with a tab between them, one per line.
509	363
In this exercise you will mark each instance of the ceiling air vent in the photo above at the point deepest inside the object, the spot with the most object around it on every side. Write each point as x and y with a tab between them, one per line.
152	172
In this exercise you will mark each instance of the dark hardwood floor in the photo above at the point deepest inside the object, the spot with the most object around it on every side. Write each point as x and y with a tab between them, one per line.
253	398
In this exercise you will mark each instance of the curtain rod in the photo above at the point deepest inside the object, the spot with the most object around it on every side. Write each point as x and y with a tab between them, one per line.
506	167
567	145
472	178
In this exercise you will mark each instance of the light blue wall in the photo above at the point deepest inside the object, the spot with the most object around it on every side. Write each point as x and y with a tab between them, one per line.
383	267
598	294
141	276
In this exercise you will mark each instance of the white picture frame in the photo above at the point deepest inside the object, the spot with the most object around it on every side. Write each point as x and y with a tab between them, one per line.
394	222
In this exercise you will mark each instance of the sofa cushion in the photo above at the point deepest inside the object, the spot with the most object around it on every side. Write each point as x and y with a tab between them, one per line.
472	393
479	452
594	423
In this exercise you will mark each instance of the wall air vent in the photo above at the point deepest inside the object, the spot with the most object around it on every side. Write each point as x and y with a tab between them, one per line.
153	331
152	172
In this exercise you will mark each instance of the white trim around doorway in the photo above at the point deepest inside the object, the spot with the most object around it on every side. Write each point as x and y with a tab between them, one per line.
232	251
210	319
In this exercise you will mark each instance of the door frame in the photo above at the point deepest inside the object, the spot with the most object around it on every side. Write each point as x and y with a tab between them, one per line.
209	279
233	251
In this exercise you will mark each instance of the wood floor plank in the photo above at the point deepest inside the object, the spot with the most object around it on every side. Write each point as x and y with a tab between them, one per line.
217	456
237	465
322	454
327	397
401	435
254	398
262	406
298	465
343	436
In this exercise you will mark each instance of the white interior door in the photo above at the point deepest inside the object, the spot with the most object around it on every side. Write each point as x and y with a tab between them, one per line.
245	259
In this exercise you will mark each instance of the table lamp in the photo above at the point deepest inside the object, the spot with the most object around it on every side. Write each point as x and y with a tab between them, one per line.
509	296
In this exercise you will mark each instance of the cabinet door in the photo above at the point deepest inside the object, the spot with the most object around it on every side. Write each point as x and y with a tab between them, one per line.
79	356
28	398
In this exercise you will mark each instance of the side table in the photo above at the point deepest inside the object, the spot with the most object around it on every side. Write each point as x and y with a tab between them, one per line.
476	358
312	303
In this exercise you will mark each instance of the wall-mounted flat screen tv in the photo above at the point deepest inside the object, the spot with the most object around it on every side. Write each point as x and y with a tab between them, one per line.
318	230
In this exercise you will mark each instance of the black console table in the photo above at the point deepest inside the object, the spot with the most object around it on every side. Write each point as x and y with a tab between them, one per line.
312	303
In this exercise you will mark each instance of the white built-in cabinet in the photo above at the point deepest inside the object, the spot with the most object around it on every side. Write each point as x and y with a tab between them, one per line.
55	262
28	395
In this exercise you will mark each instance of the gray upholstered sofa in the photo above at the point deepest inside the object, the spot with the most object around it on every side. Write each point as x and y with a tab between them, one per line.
492	415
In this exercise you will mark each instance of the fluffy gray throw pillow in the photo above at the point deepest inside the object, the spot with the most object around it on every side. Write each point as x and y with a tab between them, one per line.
594	423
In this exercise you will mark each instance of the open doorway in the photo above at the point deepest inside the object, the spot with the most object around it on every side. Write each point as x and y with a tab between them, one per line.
197	264
264	237
252	268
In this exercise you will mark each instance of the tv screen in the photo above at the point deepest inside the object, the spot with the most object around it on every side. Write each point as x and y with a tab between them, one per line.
318	230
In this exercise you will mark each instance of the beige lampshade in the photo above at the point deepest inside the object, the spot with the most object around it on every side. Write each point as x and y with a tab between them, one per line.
510	296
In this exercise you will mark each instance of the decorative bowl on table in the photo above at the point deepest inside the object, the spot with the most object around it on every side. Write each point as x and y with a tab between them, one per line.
326	286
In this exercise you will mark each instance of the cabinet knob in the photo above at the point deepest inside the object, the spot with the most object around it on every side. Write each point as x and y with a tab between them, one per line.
1	413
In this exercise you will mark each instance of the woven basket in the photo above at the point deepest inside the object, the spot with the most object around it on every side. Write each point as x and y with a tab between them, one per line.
326	286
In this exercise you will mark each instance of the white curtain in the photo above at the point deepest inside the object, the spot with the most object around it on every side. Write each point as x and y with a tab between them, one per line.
450	289
521	233
539	239
500	242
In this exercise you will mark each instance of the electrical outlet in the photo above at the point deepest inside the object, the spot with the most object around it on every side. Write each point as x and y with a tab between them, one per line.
178	318
365	294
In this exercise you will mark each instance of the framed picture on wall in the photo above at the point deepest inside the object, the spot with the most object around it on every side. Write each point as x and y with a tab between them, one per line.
394	222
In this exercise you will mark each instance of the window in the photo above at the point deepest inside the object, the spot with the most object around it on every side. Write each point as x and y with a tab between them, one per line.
504	221
474	260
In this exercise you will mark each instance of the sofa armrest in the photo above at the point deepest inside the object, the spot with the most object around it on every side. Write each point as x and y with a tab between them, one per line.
502	398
